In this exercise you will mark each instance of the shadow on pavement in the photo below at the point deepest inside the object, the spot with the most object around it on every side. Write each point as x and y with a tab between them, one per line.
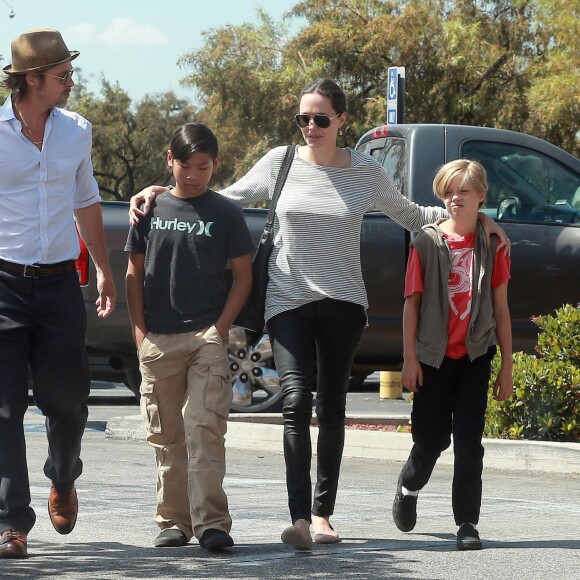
81	560
413	545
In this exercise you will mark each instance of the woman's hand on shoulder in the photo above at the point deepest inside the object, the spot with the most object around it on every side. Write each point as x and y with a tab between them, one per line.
145	197
491	228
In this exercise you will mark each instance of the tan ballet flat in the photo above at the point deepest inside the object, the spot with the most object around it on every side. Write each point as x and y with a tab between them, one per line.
295	538
326	539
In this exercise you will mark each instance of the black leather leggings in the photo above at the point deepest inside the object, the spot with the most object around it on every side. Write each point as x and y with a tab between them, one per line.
314	348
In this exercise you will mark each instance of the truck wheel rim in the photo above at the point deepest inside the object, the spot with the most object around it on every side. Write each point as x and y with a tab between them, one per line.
255	380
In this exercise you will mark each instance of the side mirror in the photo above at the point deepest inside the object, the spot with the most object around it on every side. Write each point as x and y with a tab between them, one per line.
508	208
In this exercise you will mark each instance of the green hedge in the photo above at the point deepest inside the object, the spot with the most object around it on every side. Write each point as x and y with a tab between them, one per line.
546	401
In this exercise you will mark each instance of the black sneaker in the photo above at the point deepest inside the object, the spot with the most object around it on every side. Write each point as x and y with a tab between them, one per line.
404	509
213	539
170	538
468	538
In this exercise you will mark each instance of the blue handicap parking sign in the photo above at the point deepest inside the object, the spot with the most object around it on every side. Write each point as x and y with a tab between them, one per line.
392	90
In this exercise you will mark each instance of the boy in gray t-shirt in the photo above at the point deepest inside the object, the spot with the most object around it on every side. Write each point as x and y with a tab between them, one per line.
181	313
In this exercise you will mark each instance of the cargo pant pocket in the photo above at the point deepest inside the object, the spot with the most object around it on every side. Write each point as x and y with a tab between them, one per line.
218	390
150	407
142	347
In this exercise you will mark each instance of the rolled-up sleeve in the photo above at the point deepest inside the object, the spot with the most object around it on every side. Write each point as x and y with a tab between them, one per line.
87	189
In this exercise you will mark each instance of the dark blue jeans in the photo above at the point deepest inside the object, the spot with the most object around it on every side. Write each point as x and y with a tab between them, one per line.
452	400
314	348
42	324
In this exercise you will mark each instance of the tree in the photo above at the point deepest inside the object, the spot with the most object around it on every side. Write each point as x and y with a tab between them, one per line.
554	95
480	62
465	60
246	90
130	141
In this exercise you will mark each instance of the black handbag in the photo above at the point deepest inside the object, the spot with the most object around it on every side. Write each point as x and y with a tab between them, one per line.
251	317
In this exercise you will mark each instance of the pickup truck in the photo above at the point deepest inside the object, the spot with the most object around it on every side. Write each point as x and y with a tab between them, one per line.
534	192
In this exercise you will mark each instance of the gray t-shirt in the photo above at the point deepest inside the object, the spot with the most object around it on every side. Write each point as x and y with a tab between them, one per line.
187	243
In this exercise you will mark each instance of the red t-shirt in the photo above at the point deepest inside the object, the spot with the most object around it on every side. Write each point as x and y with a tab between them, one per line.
458	288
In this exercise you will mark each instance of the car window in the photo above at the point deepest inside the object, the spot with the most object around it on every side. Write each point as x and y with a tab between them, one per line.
393	160
525	185
391	154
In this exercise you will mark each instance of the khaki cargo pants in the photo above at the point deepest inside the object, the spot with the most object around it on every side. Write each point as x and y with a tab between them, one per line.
186	394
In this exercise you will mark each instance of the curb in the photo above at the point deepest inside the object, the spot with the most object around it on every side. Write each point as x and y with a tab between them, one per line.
553	457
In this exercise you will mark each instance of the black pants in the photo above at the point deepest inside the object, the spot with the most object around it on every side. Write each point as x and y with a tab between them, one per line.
452	400
314	347
42	324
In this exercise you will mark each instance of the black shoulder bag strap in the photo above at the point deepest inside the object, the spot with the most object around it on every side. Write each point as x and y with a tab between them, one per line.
280	180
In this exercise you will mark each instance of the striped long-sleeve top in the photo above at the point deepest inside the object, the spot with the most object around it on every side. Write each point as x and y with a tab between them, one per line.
318	222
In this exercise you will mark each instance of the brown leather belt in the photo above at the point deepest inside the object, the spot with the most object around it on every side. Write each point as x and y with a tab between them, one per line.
39	270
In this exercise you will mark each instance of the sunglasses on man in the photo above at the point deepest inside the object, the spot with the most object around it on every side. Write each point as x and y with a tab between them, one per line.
64	79
320	120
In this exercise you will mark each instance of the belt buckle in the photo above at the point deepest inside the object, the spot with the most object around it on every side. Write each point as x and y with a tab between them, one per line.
31	271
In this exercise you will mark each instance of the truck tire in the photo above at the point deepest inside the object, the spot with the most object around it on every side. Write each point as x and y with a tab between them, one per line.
133	381
357	380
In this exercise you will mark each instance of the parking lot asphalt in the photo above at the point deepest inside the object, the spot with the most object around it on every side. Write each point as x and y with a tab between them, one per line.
529	524
529	521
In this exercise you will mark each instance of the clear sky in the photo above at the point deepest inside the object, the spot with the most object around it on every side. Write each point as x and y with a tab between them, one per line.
134	42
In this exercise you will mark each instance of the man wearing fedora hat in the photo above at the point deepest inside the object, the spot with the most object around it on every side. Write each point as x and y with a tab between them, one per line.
46	187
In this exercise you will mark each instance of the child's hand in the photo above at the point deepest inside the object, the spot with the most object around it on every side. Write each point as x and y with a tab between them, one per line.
139	335
504	385
412	374
223	330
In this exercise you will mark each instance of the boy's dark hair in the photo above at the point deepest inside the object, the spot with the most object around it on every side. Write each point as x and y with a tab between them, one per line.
330	89
193	137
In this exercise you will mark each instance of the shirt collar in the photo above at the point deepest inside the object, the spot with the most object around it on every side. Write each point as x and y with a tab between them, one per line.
7	110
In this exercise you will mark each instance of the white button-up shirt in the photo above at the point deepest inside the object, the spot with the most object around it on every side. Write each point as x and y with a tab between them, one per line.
40	189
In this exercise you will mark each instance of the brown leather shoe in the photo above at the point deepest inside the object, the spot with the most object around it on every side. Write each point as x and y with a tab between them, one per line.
13	544
62	509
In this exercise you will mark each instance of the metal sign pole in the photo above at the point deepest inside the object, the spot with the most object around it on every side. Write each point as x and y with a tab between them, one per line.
401	95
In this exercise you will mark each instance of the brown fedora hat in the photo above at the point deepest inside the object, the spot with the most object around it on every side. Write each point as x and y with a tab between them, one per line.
37	50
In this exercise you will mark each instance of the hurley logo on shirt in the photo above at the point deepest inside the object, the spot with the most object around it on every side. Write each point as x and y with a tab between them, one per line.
198	227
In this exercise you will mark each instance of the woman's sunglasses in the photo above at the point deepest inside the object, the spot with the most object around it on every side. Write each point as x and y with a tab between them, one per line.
320	120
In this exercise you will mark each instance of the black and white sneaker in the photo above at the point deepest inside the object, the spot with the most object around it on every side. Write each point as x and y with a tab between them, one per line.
404	509
468	538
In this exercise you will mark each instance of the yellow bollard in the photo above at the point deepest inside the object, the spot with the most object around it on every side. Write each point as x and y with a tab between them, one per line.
390	386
